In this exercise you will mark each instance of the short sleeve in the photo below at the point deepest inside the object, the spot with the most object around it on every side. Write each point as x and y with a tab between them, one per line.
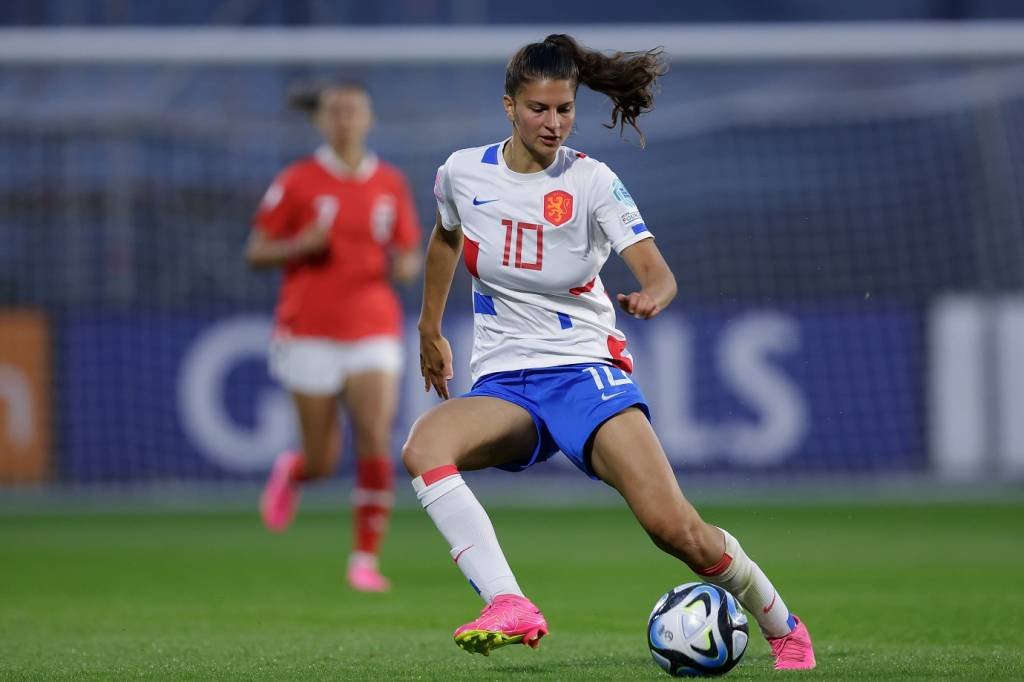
615	211
446	198
407	225
276	214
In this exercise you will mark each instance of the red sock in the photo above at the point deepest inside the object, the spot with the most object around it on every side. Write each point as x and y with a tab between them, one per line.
298	471
372	498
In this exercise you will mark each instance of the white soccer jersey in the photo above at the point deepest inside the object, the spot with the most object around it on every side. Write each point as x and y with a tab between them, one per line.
534	243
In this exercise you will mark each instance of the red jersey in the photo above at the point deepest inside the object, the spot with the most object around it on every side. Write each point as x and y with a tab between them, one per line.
345	293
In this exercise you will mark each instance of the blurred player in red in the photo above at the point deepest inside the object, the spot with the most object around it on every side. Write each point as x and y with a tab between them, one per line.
342	226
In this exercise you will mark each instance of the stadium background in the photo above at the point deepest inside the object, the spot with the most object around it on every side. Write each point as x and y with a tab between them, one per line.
847	233
841	384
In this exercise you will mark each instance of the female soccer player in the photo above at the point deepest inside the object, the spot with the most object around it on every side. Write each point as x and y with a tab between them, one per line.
341	224
536	221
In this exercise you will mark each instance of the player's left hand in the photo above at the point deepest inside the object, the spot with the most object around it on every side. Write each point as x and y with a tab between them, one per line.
638	304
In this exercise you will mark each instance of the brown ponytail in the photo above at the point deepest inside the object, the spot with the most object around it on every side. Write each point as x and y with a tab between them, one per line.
306	98
626	77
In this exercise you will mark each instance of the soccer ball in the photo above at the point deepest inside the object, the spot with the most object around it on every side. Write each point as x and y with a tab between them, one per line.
697	629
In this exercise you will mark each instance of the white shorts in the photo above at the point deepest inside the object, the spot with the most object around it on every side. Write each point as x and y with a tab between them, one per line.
321	366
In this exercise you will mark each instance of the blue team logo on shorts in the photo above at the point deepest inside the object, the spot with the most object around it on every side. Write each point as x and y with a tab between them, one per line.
622	194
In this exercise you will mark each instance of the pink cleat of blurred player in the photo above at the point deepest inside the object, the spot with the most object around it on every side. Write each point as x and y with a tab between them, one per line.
280	496
509	619
793	651
363	574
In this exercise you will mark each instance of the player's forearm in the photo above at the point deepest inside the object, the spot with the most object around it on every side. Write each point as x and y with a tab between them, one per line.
263	253
661	287
442	257
651	271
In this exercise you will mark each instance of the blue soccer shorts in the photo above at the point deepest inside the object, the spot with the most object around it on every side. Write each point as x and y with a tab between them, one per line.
568	403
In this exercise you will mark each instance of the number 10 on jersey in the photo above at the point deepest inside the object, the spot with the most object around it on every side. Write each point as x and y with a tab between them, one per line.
522	232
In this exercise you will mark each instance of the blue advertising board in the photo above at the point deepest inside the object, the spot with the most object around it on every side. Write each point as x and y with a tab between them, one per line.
152	397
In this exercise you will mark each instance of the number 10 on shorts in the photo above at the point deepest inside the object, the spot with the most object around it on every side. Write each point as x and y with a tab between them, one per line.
608	377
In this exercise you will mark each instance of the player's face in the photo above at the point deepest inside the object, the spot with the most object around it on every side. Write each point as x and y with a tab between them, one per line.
344	116
543	113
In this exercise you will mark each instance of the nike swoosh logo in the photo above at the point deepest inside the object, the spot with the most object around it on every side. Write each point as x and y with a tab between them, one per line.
479	202
769	607
609	397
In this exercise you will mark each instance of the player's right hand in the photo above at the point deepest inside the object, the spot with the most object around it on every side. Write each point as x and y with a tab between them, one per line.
436	363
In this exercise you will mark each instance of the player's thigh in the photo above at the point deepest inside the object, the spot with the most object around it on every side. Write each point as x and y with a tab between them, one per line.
627	455
476	432
318	423
371	399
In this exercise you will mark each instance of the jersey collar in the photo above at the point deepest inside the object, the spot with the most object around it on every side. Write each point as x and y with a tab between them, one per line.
326	157
552	170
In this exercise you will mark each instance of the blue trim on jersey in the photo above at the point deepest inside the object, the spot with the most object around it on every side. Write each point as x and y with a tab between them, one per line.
565	321
567	403
640	227
490	155
483	304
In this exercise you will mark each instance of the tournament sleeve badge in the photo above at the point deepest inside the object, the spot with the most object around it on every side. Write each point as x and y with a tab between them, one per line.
557	207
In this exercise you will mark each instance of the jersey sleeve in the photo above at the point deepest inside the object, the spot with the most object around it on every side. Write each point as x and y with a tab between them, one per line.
445	197
407	226
615	211
279	208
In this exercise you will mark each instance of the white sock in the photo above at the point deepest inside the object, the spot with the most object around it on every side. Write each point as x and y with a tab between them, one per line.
465	525
748	583
363	559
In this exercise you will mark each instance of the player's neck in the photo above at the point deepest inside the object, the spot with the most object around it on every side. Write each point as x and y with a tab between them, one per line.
350	155
520	159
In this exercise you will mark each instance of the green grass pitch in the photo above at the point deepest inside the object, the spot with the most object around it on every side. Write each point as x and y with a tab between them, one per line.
925	591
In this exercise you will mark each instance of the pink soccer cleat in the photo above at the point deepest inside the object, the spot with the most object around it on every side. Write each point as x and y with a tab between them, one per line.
508	619
364	576
280	496
794	651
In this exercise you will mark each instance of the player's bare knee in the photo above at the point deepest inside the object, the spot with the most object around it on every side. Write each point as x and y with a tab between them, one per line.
411	457
424	448
373	441
682	538
417	453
